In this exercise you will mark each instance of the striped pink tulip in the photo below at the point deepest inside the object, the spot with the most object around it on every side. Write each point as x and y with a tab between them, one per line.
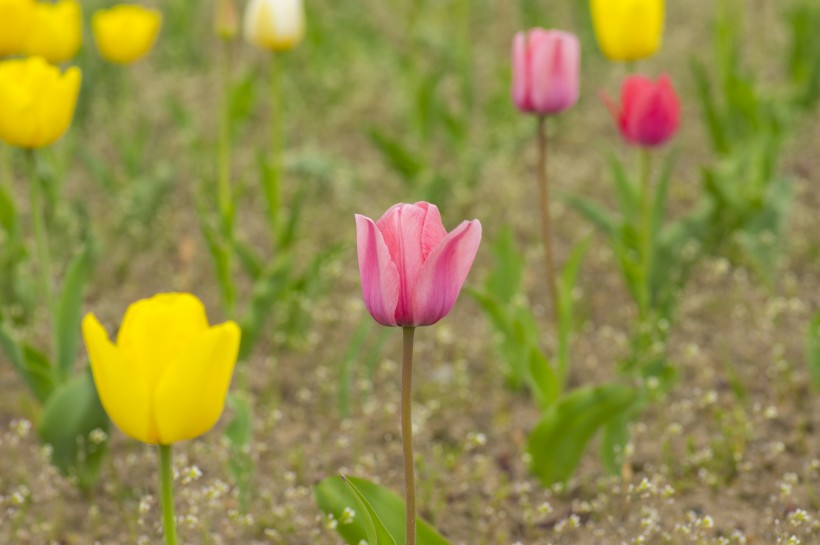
412	269
546	71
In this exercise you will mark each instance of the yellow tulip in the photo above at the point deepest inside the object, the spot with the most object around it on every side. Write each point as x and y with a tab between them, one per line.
57	32
277	25
125	33
628	30
38	101
166	377
16	20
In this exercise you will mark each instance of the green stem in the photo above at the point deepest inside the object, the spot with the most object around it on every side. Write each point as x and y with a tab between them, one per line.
224	195
273	180
167	481
646	233
407	437
40	234
546	223
5	166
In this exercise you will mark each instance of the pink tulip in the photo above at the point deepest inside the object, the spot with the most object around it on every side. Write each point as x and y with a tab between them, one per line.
546	66
649	113
412	269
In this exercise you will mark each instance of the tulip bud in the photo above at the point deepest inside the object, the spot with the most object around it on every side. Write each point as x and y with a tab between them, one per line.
226	19
57	31
38	101
277	25
16	20
125	33
546	66
628	30
649	113
412	269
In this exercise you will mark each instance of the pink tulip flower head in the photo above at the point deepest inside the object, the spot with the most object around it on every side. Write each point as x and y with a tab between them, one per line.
546	66
649	113
412	269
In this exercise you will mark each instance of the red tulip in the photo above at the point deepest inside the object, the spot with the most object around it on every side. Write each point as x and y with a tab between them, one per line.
412	269
649	113
546	66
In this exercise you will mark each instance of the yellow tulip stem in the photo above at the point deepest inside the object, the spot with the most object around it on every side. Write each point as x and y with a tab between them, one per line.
407	436
167	483
273	189
646	232
40	233
224	190
546	222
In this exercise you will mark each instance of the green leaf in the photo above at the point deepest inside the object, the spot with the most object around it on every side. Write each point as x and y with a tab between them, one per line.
333	496
625	191
69	311
560	438
401	159
546	385
813	351
33	367
566	285
240	429
266	290
69	417
595	213
377	534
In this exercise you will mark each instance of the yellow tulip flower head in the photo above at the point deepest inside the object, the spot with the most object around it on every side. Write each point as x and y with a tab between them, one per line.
38	101
57	32
166	377
277	25
628	30
126	32
16	20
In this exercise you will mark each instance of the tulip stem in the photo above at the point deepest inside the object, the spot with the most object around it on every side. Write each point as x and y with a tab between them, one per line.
646	231
225	198
167	480
273	179
546	224
40	233
407	436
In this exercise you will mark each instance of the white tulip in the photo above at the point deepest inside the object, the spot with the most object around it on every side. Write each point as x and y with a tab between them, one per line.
275	24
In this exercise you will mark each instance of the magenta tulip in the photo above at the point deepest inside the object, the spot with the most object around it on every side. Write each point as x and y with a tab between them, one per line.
412	269
546	67
649	113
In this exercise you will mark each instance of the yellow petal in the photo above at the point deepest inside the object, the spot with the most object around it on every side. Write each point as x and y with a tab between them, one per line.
125	33
190	396
16	20
628	30
277	25
122	388
57	32
155	331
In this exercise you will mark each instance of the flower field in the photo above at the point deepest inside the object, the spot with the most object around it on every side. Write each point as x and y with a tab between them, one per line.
434	272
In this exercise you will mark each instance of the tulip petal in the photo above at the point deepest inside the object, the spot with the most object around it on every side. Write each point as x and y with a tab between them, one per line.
444	273
124	393
433	231
520	71
190	396
555	67
156	327
380	276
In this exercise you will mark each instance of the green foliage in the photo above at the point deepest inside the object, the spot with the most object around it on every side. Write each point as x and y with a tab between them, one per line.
365	347
558	441
71	417
239	434
803	61
813	351
378	512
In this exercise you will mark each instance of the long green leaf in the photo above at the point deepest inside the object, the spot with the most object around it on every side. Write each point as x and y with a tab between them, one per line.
35	371
566	285
69	417
333	496
377	534
69	312
560	438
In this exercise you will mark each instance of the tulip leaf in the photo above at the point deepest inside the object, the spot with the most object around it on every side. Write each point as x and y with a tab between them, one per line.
333	495
560	438
566	286
69	311
69	417
813	351
546	385
239	433
32	366
401	159
377	534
